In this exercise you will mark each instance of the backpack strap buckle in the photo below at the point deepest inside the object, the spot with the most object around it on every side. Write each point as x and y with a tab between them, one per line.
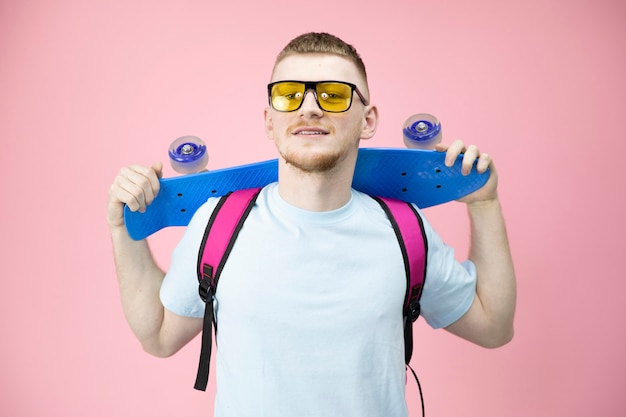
206	287
414	308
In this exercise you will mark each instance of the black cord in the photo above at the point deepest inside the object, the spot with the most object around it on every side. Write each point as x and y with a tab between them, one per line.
419	386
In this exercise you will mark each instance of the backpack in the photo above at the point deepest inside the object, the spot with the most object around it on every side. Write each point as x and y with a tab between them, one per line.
226	222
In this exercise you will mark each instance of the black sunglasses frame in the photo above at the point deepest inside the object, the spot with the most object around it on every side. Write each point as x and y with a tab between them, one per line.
312	86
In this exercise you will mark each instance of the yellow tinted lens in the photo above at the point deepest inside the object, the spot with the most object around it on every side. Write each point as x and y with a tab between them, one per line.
287	96
334	97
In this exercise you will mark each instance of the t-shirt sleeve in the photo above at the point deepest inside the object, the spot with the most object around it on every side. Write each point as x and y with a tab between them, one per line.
179	291
450	285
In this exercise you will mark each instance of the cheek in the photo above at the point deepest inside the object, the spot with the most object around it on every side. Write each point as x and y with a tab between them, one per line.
353	127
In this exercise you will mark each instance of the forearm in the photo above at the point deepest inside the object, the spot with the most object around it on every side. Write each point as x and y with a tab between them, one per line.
139	281
496	286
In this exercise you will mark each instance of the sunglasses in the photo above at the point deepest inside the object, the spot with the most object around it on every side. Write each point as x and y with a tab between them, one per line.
331	96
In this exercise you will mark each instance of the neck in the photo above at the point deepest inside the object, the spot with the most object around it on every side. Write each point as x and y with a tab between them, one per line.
316	191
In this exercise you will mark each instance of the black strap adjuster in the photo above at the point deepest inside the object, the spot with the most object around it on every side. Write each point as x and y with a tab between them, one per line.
414	308
206	288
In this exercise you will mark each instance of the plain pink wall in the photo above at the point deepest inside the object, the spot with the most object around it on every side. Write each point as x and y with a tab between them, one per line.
89	86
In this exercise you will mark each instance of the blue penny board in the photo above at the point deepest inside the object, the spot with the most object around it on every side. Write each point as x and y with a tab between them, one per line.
413	175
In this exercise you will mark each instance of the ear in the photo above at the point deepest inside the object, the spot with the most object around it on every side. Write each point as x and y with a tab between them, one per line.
269	124
370	122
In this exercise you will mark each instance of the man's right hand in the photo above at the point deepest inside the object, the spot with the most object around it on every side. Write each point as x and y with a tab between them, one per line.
135	186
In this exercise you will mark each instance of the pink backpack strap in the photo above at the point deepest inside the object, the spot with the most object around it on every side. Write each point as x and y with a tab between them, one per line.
409	229
219	237
221	232
226	222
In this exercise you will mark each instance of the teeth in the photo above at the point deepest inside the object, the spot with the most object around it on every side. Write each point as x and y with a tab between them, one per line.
308	132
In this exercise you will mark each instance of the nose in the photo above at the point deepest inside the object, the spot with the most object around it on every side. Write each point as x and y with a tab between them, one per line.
309	104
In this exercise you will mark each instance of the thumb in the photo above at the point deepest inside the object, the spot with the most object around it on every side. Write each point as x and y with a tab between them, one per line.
440	147
158	168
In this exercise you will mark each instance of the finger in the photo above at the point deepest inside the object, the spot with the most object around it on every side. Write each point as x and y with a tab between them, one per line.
147	178
454	150
470	156
137	186
130	189
484	162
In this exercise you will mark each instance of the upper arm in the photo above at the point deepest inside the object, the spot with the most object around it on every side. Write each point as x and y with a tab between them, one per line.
183	307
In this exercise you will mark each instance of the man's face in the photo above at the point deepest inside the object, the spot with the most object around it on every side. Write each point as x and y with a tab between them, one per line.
309	138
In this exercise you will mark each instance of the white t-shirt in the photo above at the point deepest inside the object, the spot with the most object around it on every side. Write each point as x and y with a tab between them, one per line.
309	308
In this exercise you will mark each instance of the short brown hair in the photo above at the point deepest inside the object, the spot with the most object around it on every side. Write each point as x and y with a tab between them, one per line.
322	43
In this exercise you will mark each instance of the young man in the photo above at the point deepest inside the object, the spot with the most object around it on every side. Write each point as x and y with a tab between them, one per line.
309	304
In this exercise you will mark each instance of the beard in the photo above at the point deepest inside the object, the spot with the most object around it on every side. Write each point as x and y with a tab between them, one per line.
315	157
312	162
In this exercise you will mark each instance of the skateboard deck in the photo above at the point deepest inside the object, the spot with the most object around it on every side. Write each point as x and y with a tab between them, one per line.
412	175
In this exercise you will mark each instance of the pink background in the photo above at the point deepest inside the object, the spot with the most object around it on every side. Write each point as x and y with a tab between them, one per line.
87	87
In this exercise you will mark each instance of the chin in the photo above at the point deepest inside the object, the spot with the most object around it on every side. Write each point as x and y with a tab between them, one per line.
312	163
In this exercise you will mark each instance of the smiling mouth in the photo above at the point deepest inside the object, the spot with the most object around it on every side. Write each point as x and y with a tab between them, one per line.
310	132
